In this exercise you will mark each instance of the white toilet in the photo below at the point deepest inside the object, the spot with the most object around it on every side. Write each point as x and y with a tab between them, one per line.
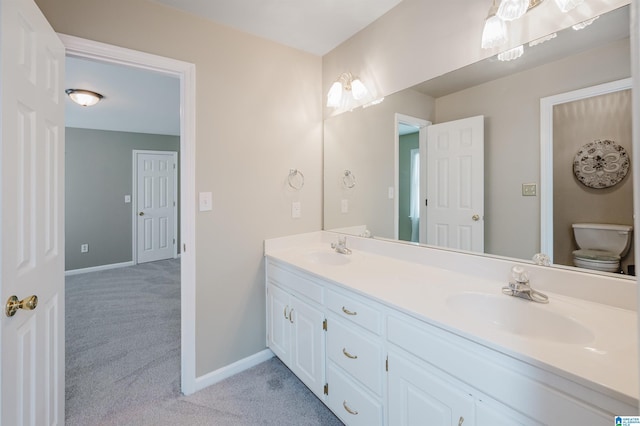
601	245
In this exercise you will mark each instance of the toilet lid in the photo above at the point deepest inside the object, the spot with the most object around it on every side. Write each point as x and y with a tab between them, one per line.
601	255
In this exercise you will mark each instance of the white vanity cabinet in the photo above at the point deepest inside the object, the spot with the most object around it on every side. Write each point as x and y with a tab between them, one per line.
355	360
295	328
374	363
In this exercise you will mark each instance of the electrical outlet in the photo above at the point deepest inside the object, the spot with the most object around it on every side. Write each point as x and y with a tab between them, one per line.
84	248
528	189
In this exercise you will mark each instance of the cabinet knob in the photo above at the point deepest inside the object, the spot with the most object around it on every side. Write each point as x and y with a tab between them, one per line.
285	312
291	316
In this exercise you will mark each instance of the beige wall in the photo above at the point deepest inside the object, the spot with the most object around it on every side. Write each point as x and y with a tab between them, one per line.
422	39
259	114
575	124
362	141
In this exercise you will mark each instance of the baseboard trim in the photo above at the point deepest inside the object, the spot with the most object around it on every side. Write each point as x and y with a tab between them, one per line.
231	369
99	268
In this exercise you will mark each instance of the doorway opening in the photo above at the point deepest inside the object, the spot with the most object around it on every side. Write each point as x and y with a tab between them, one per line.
185	73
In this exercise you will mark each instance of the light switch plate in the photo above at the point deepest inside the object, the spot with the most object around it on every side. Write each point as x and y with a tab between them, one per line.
529	189
391	192
206	201
127	199
344	206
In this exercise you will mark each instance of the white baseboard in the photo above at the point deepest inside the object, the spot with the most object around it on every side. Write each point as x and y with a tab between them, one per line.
231	369
99	268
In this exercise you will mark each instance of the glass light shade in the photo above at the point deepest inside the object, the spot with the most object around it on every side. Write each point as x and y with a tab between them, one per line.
511	54
334	97
542	39
567	5
510	10
84	97
584	24
494	33
358	89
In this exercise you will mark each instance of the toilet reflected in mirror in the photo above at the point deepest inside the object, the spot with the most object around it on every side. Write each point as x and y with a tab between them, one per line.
601	246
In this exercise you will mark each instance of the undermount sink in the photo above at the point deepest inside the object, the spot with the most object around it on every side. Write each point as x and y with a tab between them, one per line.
327	257
520	317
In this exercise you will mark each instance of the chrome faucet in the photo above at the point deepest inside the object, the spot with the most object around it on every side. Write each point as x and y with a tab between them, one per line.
341	246
519	287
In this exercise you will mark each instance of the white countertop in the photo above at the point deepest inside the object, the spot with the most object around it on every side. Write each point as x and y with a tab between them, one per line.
604	357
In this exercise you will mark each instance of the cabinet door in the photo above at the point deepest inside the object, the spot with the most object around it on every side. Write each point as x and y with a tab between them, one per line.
308	345
279	326
491	413
420	396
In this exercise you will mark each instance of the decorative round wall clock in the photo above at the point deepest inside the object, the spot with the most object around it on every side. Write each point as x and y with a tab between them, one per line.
601	164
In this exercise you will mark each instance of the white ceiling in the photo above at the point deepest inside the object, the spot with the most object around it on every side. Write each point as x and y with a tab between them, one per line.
315	26
146	102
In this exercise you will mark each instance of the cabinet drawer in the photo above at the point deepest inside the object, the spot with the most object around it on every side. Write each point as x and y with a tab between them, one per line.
358	312
350	402
360	357
295	282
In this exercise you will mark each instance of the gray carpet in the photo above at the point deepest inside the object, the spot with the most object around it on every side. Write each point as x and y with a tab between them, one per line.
123	361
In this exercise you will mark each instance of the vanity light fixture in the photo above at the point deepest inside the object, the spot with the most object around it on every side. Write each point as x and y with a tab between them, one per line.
511	54
495	33
84	97
582	25
345	91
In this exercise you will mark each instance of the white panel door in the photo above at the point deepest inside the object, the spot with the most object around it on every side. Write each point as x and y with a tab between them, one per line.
455	184
31	224
156	205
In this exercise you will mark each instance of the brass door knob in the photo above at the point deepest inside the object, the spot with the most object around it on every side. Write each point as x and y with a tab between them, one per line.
141	214
475	217
13	304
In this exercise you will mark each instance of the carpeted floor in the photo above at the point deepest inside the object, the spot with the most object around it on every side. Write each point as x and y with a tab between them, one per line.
123	361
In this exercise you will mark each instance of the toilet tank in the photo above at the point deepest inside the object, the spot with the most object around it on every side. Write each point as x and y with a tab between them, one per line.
603	236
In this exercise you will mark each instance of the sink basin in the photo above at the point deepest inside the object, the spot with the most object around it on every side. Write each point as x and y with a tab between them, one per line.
520	317
327	257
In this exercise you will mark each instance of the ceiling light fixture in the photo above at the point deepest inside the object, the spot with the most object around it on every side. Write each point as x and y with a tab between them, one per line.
84	97
347	92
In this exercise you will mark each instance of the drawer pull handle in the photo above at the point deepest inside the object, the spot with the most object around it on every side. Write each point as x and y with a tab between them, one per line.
349	410
285	312
460	421
348	312
291	316
348	355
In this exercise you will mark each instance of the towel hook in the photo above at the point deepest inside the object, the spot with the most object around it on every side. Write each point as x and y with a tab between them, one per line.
295	179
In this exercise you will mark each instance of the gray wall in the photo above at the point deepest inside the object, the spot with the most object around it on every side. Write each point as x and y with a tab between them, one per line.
98	174
407	143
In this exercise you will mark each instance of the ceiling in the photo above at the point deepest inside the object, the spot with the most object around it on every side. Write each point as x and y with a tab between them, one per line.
315	26
142	101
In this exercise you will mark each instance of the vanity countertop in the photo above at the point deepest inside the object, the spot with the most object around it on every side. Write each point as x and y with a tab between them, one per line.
599	350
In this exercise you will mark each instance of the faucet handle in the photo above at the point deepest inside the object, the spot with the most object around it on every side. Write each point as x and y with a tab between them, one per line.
541	259
519	274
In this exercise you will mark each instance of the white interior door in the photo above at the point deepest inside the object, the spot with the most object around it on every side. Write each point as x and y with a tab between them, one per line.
156	205
31	224
455	184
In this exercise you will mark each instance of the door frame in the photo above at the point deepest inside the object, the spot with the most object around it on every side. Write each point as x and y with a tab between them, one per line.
134	200
186	73
421	124
546	151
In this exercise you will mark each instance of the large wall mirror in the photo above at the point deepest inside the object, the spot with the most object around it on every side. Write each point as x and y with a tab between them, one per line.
372	155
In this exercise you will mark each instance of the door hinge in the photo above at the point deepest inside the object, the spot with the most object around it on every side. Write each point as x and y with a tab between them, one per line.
174	166
184	248
426	202
324	324
386	364
174	204
326	388
174	241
